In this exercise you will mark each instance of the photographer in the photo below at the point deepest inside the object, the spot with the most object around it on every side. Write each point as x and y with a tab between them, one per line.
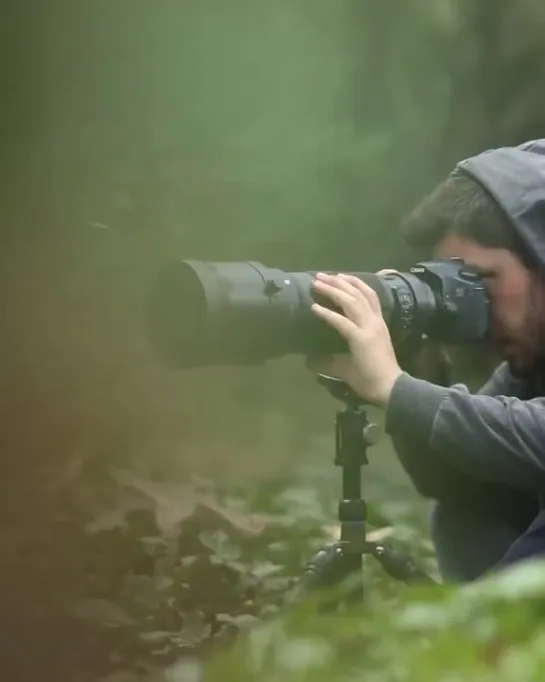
480	457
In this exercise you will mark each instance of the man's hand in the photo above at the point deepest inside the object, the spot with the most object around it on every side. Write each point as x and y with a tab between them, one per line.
371	368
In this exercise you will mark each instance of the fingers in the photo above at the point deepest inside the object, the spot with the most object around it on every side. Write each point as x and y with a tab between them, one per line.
345	297
363	288
342	324
355	287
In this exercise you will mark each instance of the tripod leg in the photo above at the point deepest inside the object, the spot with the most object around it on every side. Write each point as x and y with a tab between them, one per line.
399	565
329	569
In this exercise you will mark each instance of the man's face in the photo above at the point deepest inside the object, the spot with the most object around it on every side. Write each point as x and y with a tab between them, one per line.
517	299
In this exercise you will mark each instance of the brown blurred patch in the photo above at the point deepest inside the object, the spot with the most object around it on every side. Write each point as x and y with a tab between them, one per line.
81	387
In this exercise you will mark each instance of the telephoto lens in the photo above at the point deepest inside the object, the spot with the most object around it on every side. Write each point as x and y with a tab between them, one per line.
204	313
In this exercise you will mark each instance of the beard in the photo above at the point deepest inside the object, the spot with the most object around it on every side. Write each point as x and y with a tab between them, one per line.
526	357
525	367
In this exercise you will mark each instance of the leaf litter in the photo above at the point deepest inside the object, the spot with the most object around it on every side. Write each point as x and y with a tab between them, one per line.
172	572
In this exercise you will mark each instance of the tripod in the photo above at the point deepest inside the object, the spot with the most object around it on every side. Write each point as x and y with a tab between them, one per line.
333	565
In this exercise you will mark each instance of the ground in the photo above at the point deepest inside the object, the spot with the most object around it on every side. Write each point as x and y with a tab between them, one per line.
151	574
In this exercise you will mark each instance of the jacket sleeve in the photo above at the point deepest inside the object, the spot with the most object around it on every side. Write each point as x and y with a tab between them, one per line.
447	438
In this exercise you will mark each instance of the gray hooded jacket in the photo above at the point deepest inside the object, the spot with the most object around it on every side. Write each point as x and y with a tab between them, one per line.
488	448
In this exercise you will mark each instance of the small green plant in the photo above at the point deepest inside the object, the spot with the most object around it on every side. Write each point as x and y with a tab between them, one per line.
493	629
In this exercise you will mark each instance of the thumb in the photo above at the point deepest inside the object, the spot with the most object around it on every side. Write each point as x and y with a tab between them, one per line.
336	366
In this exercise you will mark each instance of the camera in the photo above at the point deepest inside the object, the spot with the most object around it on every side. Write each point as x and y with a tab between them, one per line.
203	313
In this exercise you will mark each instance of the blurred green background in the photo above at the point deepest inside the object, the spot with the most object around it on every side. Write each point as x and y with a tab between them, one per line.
295	132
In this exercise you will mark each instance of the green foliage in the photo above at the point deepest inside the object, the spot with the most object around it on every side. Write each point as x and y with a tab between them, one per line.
490	630
175	582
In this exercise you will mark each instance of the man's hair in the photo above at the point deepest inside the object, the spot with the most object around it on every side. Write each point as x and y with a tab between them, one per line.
461	206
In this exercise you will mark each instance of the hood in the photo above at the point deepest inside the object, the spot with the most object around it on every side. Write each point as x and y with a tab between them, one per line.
515	178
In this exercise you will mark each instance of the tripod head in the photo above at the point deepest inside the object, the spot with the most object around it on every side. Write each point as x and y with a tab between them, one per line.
339	389
353	432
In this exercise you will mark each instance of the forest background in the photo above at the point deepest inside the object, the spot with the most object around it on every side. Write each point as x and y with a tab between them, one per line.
297	133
